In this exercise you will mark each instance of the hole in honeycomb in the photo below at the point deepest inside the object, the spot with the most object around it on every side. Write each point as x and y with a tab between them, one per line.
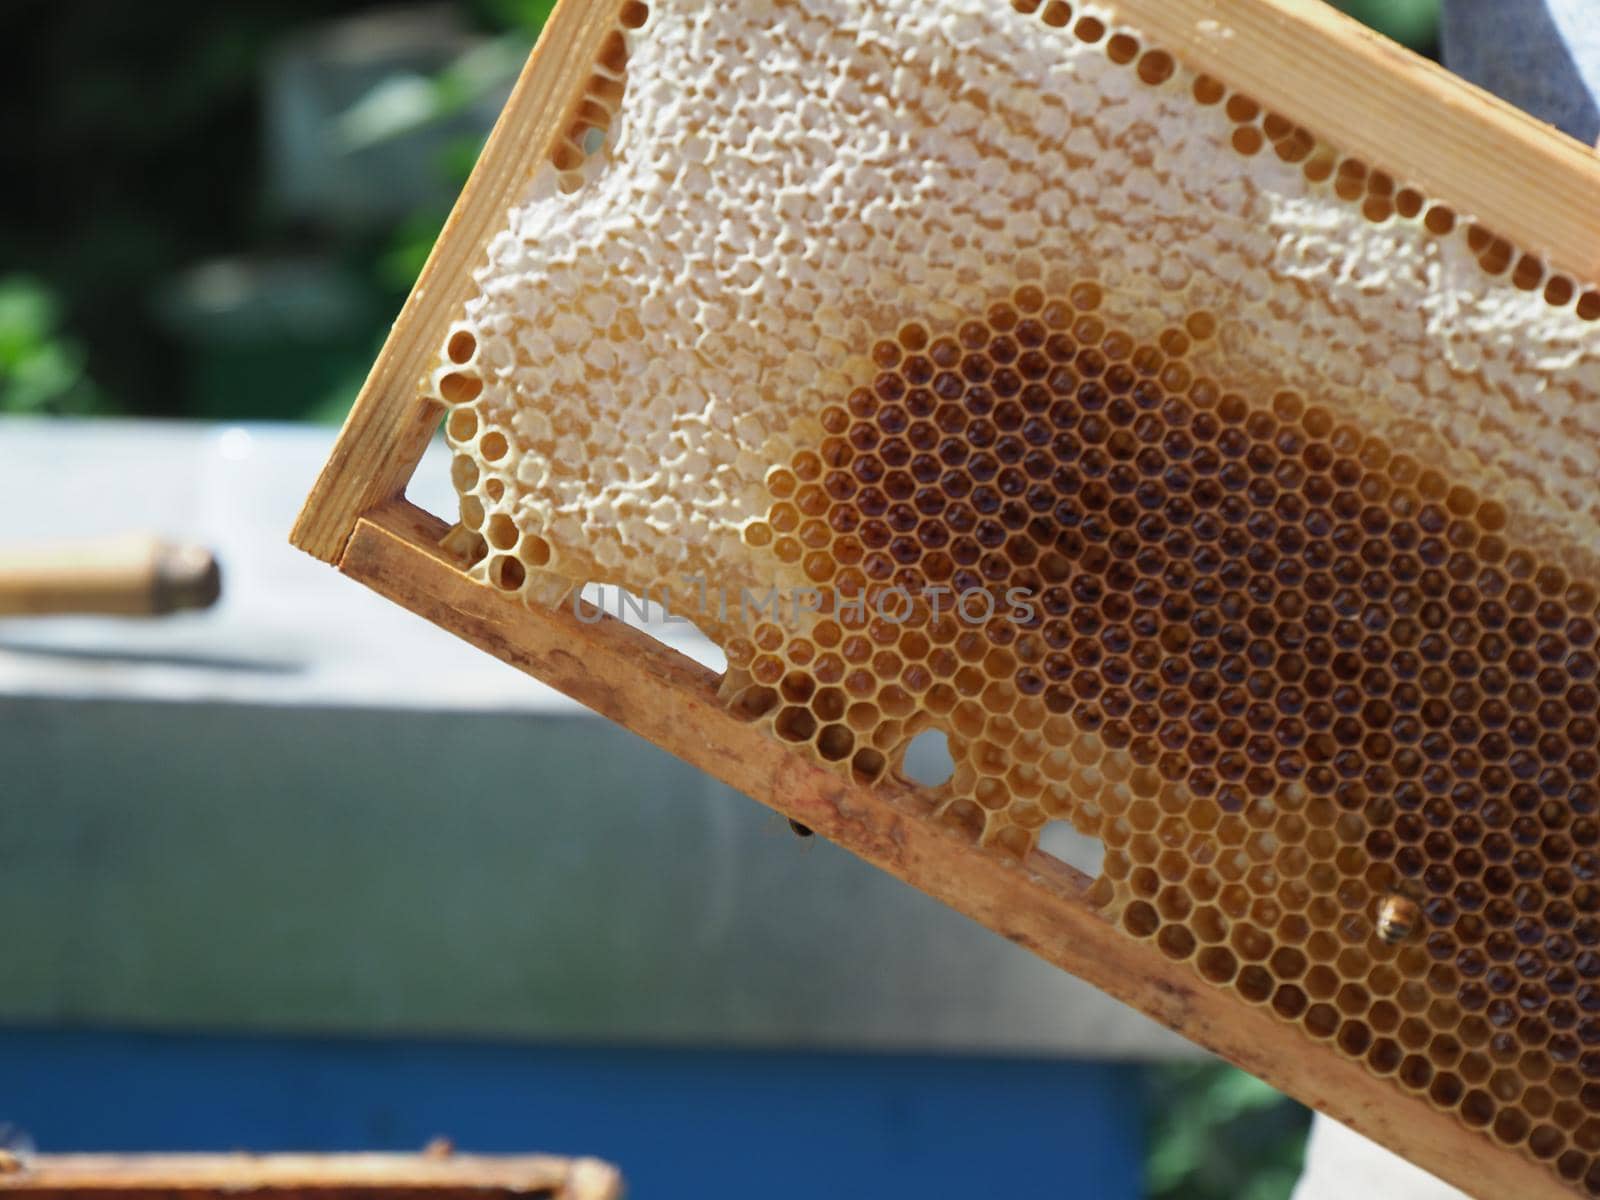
1079	851
658	612
927	759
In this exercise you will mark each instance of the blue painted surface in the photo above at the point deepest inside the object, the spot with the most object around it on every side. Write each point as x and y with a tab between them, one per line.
679	1123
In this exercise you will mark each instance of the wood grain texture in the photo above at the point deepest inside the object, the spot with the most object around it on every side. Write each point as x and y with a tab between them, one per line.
627	676
388	428
313	1177
1365	95
131	576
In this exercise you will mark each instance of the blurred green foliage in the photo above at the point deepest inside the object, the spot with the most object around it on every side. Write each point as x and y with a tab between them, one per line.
134	152
526	15
1413	23
1220	1134
41	367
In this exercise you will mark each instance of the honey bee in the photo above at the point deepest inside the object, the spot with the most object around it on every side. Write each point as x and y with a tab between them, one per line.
1397	919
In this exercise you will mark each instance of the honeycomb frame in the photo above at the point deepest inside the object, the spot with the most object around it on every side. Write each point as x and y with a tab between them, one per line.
1366	1060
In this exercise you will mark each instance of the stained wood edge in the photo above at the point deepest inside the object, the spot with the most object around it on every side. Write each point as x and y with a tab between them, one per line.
667	698
1370	97
389	426
315	1177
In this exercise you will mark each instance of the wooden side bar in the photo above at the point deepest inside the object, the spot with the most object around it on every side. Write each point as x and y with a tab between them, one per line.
388	428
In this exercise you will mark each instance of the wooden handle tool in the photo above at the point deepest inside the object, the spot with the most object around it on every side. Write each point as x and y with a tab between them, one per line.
132	576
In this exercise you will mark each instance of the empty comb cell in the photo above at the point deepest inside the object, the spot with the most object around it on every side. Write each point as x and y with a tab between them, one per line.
1219	490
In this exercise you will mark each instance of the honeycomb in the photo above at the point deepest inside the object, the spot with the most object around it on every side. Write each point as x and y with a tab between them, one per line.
1208	489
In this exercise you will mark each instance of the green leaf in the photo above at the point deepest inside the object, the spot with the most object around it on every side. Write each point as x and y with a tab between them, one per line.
41	368
1220	1134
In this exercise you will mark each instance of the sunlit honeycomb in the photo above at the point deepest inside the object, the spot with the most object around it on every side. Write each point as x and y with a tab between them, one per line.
1209	490
1292	680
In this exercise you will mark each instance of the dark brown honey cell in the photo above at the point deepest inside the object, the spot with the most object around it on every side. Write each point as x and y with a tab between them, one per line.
1156	67
1089	29
1122	48
1345	753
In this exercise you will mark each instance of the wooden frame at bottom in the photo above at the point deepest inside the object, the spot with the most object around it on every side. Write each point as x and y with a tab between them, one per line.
661	695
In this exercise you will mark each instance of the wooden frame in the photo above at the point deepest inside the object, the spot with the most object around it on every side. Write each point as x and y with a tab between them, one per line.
1454	140
432	1175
